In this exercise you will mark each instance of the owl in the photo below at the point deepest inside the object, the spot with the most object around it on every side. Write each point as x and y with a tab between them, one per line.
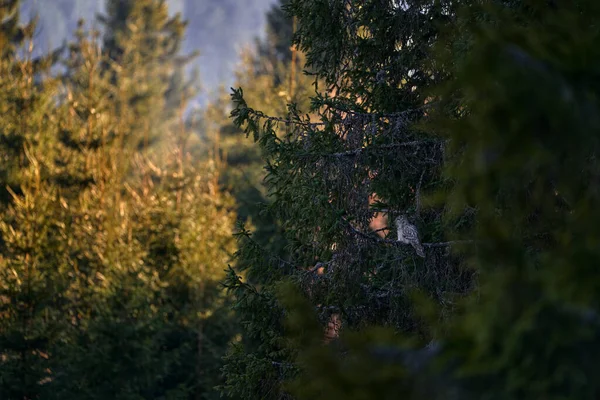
408	234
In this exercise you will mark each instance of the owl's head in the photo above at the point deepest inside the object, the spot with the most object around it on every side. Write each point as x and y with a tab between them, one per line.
401	221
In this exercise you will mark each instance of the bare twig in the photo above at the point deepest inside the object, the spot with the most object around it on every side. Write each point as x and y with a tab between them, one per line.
446	244
418	195
381	229
282	364
317	267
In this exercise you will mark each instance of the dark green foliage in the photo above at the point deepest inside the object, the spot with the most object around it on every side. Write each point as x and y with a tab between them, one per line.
256	364
258	372
527	161
366	365
359	156
272	82
277	44
479	121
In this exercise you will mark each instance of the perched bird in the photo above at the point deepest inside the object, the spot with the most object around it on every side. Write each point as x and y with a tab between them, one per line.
408	234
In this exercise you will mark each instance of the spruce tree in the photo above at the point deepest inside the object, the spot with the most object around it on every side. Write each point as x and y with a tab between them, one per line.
13	34
339	181
34	280
143	42
272	82
151	241
110	259
30	256
25	100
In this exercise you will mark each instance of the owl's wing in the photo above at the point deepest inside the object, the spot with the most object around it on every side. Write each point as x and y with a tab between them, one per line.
410	233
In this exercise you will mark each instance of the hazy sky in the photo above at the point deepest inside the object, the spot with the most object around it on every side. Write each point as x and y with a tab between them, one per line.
218	28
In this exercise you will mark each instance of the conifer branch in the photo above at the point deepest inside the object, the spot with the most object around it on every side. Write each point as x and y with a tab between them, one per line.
351	153
264	116
396	115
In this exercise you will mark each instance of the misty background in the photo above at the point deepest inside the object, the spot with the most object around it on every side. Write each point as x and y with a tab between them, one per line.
217	29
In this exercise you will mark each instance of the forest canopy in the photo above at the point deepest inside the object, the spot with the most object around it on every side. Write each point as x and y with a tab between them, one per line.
218	28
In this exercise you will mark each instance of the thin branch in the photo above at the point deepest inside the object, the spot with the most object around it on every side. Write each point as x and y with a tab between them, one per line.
379	115
351	153
397	243
381	210
282	364
446	244
381	229
418	194
269	256
261	115
317	266
355	113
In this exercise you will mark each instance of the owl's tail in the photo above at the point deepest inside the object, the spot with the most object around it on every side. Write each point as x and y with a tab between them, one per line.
419	249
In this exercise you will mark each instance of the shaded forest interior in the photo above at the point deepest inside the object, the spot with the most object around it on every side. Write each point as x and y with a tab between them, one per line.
397	199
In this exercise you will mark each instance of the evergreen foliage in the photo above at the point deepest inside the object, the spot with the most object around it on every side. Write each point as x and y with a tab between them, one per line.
33	283
112	254
144	42
527	150
217	27
272	82
363	157
25	99
13	34
478	121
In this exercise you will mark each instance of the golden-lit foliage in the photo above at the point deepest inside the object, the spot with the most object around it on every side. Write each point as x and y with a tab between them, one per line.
112	242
